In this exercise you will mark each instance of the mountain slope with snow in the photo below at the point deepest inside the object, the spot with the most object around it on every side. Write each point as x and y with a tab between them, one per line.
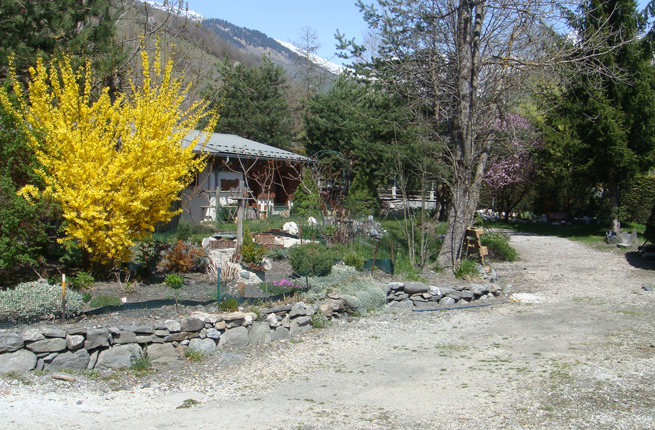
319	61
175	10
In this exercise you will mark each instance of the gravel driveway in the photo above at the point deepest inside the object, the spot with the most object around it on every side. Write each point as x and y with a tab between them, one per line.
576	352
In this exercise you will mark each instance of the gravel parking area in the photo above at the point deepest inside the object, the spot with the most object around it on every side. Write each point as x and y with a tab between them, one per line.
577	352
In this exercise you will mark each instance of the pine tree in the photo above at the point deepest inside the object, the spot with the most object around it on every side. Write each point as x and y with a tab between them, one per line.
252	102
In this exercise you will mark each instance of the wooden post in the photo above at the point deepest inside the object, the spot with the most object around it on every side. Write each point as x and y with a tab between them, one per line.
240	213
375	256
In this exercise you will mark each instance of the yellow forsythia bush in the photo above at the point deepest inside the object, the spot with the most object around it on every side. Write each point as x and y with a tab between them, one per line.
114	167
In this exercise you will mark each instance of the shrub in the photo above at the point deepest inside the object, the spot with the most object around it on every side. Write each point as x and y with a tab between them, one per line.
82	281
498	246
149	255
100	301
175	282
251	251
184	257
310	259
363	196
306	198
35	300
184	230
281	287
320	321
229	305
637	200
353	260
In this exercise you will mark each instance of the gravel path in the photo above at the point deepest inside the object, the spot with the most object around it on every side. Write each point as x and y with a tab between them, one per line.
576	352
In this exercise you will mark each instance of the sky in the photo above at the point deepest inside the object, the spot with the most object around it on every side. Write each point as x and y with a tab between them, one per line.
284	19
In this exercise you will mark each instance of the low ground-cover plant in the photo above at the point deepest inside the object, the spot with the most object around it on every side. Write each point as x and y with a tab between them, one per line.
37	300
194	355
310	259
467	269
100	301
141	361
498	246
283	286
362	293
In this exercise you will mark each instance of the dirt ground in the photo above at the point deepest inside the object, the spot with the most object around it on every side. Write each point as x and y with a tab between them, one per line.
577	352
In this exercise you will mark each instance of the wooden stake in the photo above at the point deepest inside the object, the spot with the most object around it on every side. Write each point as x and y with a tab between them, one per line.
63	296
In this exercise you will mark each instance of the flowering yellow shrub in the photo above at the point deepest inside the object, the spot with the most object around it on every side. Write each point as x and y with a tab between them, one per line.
115	168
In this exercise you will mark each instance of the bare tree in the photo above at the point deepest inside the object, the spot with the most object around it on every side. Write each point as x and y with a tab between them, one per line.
460	64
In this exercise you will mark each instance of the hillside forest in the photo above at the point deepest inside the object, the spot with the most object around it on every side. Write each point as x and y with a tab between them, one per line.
515	106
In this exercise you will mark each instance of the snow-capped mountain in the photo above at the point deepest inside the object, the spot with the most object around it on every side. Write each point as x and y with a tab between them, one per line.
175	8
319	61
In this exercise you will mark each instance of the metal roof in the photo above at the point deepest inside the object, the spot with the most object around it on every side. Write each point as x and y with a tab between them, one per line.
230	144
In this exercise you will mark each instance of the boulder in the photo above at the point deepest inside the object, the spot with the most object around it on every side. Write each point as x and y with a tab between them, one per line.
207	318
234	316
48	345
479	289
96	338
69	360
220	325
192	324
10	342
32	335
205	346
118	357
413	287
138	329
93	359
234	337
303	321
394	286
291	228
74	342
272	321
280	333
162	353
19	361
260	333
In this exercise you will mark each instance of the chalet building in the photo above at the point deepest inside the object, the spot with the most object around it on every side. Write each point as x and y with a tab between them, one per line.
265	176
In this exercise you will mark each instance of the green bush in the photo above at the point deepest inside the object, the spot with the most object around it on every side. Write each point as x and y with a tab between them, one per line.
184	230
306	198
251	251
100	301
82	281
353	260
363	196
310	259
140	362
229	305
148	255
498	246
174	281
37	300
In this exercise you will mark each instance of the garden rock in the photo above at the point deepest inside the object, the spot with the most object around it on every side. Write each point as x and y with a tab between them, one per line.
206	318
479	289
54	332
32	335
118	357
48	345
204	346
93	359
447	301
10	342
234	337
124	337
19	361
69	360
220	325
291	228
173	326
96	338
74	342
212	333
401	305
162	353
192	324
272	321
301	309
280	333
413	287
234	316
260	333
